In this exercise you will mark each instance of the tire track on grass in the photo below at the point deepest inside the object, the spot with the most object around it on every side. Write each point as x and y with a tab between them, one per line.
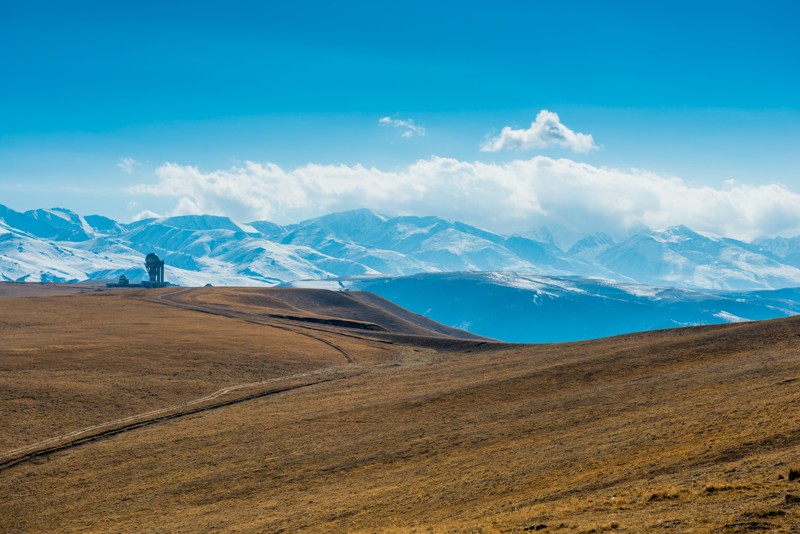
126	424
134	422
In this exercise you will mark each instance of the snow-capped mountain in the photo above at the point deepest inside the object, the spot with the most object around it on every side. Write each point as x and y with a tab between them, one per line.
60	245
680	257
556	234
537	309
785	248
402	244
590	246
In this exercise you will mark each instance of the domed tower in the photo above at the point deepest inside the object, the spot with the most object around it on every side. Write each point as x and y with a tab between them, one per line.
155	269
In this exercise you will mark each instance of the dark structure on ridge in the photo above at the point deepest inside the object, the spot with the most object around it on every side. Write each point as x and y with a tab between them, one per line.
155	271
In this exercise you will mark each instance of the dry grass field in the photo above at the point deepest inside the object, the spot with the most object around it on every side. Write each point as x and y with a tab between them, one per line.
389	427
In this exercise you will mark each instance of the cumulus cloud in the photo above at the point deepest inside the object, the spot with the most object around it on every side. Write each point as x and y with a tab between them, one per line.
408	127
146	214
127	164
546	131
514	196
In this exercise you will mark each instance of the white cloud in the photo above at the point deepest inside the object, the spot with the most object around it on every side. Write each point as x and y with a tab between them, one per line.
514	196
127	164
187	206
546	131
407	126
146	214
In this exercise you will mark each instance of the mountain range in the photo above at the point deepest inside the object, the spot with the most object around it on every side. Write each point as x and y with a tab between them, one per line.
527	308
63	246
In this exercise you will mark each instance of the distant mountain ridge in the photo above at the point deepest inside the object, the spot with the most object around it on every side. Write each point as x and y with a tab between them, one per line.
528	308
60	245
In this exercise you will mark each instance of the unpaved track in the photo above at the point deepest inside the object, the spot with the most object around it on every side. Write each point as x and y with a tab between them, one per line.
118	426
133	422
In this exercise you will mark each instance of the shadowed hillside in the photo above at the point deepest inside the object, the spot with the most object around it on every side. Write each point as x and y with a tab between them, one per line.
350	309
678	430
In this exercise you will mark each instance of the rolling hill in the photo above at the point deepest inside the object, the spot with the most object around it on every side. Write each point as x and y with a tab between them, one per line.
205	409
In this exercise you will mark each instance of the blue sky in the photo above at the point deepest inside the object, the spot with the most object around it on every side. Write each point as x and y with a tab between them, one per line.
705	92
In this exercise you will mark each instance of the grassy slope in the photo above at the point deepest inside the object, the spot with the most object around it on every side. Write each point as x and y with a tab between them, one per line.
70	361
352	306
689	429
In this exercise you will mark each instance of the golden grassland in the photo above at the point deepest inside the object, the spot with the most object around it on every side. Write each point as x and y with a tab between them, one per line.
70	361
692	430
354	309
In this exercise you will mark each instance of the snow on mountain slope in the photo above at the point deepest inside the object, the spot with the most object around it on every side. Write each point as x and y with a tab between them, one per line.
58	224
546	258
206	222
680	257
72	226
198	250
28	224
215	249
26	258
103	225
324	240
557	235
219	244
23	258
161	235
271	231
361	225
534	309
590	246
407	244
454	250
785	248
403	245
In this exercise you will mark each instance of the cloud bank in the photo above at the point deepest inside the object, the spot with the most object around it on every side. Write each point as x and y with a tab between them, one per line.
514	196
545	132
408	127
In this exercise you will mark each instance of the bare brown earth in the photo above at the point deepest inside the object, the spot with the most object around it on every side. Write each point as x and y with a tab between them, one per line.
368	430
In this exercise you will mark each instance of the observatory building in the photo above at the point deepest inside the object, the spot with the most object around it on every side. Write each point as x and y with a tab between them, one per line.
155	272
155	269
